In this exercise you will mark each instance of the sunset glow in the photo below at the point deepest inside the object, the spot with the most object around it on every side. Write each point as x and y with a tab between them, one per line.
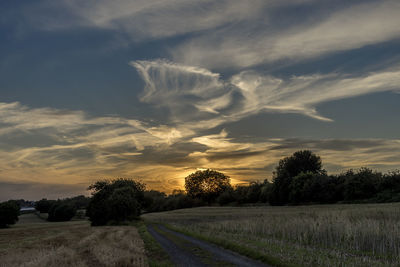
155	90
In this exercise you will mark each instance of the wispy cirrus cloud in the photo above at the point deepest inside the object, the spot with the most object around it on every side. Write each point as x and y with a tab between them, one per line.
159	155
73	144
209	102
301	94
142	20
348	28
248	159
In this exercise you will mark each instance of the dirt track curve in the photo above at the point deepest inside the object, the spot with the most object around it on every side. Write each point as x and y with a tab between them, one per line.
188	251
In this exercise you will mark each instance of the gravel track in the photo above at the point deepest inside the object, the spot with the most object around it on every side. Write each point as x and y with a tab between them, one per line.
181	256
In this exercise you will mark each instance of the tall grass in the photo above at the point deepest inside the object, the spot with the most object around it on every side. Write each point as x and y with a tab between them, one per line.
336	234
71	244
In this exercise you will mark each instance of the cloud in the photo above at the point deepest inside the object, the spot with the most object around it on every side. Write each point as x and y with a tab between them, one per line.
244	46
228	33
301	94
82	149
257	160
143	19
77	146
198	98
36	191
189	93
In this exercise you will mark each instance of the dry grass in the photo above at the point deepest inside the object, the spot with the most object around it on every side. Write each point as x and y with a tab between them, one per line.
70	244
324	235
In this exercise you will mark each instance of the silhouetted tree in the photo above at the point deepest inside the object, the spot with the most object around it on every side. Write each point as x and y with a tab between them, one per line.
389	187
44	205
154	200
226	197
288	168
9	212
60	211
78	202
123	204
361	184
115	201
265	191
206	185
312	187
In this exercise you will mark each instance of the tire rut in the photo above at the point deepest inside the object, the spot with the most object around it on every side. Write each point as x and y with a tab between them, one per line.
182	257
178	256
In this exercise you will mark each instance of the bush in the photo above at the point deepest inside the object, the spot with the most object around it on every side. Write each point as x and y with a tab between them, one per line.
115	201
9	212
362	184
226	198
60	212
44	205
123	205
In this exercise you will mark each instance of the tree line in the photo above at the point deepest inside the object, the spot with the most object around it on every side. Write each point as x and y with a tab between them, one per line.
297	179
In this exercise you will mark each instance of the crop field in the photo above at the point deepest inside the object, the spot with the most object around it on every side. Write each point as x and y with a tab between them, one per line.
320	235
34	242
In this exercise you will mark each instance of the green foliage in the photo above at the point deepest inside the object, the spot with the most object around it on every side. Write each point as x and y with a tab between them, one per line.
115	201
206	185
265	191
312	188
159	201
60	211
300	161
288	168
226	197
78	202
298	179
362	184
9	212
123	204
44	205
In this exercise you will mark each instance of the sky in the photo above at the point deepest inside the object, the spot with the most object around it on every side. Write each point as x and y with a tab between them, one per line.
157	89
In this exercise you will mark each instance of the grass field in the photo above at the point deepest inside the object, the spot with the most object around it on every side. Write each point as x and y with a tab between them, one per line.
34	242
321	235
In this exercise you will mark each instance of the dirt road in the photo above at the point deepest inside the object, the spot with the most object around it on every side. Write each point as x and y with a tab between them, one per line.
188	251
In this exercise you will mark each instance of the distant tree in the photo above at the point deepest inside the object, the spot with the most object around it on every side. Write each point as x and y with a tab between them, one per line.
78	202
154	200
227	197
311	187
206	185
44	205
265	191
300	162
115	201
60	211
123	205
361	184
9	212
389	187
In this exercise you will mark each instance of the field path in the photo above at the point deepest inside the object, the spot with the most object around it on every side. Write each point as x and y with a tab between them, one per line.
188	251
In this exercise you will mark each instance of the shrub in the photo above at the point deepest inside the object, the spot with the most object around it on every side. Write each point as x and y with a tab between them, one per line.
44	205
9	212
60	212
362	184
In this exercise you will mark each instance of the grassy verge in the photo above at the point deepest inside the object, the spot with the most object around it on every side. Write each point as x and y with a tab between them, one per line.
155	253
